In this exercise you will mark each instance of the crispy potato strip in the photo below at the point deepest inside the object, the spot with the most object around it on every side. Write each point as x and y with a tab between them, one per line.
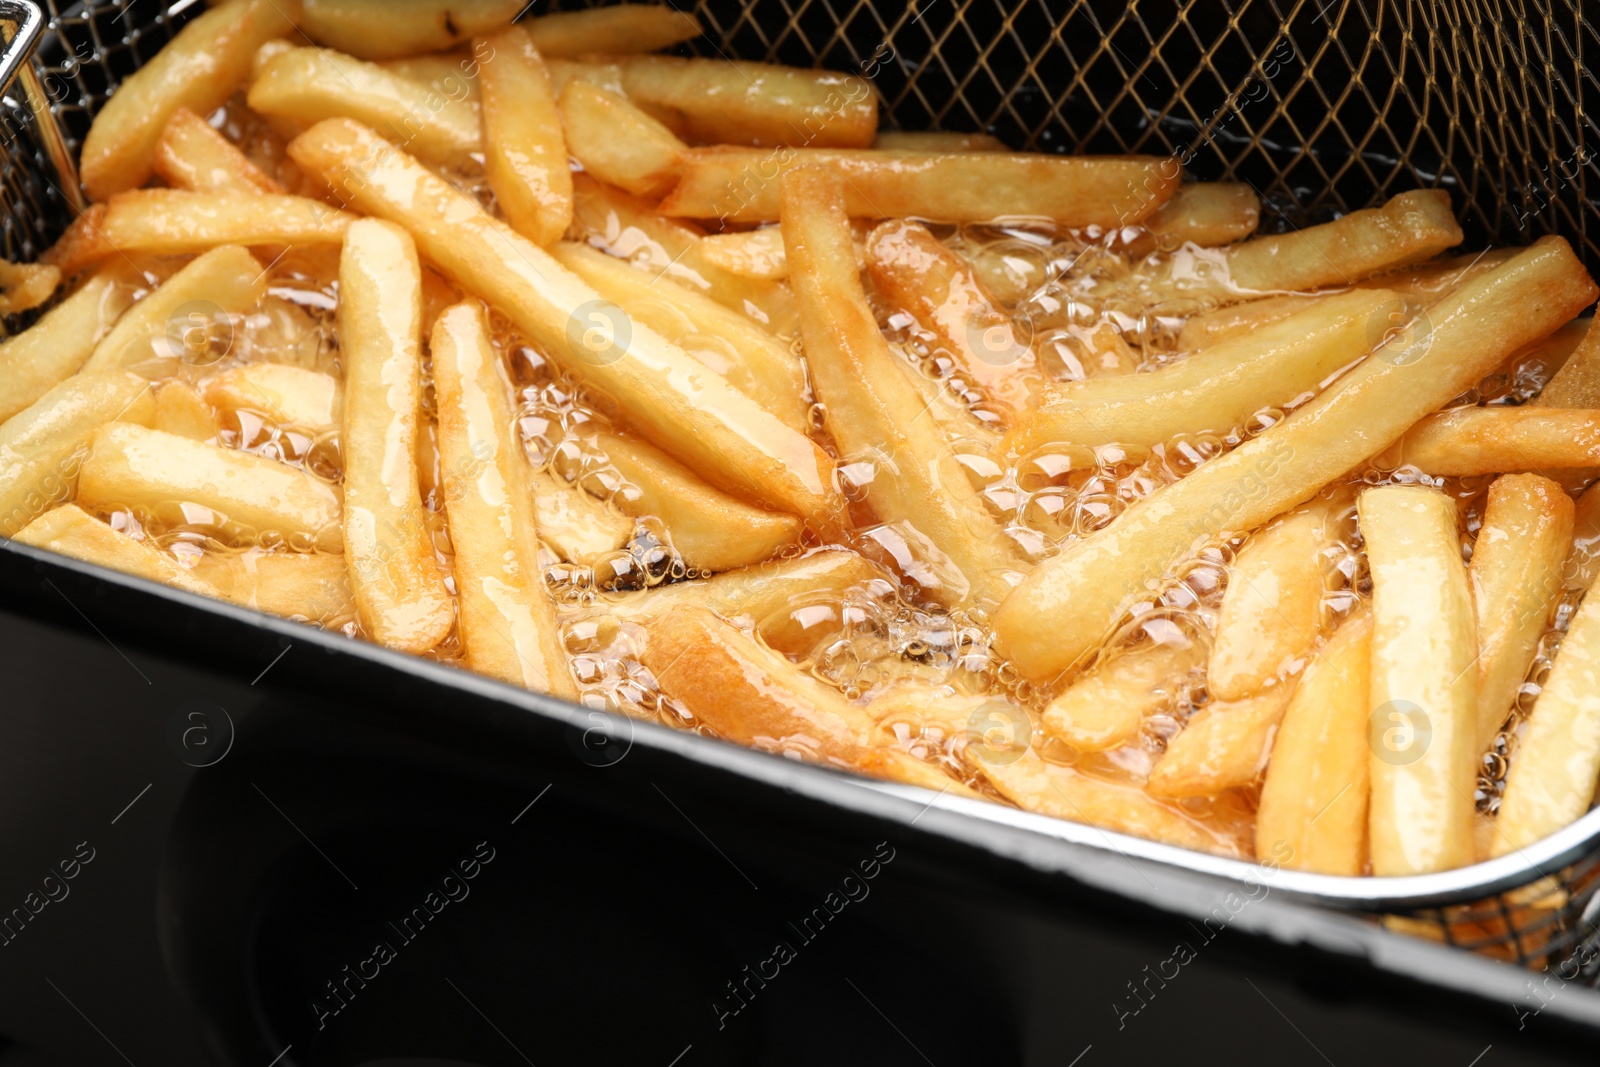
1493	440
42	356
71	531
1224	746
1208	214
389	29
578	527
617	142
936	141
525	155
181	410
314	586
193	156
614	30
1106	707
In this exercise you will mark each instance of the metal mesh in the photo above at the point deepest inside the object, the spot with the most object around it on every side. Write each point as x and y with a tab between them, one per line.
1322	107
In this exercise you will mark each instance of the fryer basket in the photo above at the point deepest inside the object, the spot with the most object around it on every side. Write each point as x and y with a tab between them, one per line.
1323	108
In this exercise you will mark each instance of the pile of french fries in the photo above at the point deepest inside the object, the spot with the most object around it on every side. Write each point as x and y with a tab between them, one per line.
674	386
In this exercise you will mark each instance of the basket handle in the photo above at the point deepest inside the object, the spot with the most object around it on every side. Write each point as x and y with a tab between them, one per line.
23	26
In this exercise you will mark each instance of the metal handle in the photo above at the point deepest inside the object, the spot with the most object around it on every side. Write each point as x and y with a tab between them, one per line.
25	21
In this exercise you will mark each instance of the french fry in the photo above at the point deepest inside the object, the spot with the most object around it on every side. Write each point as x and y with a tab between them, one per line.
1516	584
763	593
916	273
251	499
287	396
307	85
752	253
40	445
191	155
388	29
577	527
175	222
742	186
508	621
1066	605
618	143
1272	611
613	30
1224	746
1106	707
607	76
1208	214
1313	809
314	586
1215	389
182	411
1583	562
872	407
199	69
1555	765
711	530
186	319
1577	383
1410	228
40	357
750	358
525	155
400	594
453	74
82	244
717	101
26	285
1034	785
1494	440
665	395
630	229
936	141
1424	718
71	531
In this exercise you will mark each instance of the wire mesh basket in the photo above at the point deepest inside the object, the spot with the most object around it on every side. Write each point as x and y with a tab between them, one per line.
1322	107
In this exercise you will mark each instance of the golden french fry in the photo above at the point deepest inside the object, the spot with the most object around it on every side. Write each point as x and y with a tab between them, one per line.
1555	765
1217	388
872	407
508	621
71	531
1106	707
1272	611
1423	726
607	76
250	498
936	141
307	85
175	222
1583	562
1577	383
26	285
525	155
918	274
752	254
1516	583
453	74
1409	228
617	142
388	29
630	229
1224	746
752	360
1208	214
666	396
314	586
182	411
40	445
1034	785
578	527
711	530
763	593
40	357
187	319
1493	440
1313	811
617	30
199	69
400	594
286	395
82	244
717	101
742	186
1065	607
191	155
